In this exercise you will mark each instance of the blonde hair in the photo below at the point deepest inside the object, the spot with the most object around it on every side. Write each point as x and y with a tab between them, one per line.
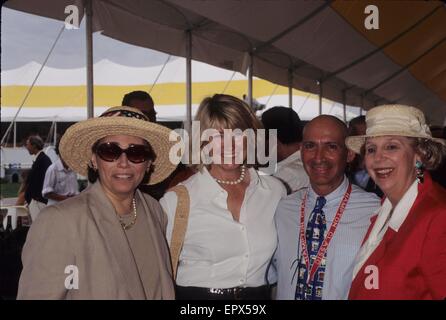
222	111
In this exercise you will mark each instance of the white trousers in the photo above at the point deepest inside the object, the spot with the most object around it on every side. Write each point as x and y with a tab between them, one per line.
34	209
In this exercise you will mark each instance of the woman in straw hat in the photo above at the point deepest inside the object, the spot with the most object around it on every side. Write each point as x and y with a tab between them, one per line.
108	242
230	235
404	253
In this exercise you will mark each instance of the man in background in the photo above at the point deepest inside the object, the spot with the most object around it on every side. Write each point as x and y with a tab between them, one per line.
356	171
34	182
142	101
60	181
289	168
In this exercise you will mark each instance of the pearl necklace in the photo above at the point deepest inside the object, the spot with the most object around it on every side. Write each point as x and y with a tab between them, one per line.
240	179
127	226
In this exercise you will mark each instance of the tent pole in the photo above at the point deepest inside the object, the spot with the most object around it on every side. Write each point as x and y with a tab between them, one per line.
362	105
89	46
320	97
250	73
344	103
290	88
15	134
188	124
55	133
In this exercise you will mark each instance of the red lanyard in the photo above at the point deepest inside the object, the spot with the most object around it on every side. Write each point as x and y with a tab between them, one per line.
326	242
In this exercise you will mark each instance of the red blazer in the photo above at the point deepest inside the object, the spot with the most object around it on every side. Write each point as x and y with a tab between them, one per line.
411	263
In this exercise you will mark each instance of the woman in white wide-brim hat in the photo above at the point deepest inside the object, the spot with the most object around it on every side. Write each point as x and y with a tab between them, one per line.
108	242
404	253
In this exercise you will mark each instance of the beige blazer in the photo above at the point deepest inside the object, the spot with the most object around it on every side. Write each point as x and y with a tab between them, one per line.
82	237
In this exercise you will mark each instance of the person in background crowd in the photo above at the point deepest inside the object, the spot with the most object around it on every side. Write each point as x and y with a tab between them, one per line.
404	253
356	170
439	174
255	105
289	169
320	228
142	101
36	176
60	181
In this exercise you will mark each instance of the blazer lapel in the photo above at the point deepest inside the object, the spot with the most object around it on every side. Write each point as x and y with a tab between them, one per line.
380	251
409	222
122	260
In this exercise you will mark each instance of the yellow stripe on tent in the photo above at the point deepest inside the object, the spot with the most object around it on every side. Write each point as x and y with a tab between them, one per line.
163	93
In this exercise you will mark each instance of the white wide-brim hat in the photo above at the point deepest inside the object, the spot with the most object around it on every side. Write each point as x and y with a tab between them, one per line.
393	120
76	144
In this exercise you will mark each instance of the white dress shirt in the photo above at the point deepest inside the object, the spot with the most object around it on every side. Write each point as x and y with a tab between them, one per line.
343	246
219	252
292	172
60	181
383	222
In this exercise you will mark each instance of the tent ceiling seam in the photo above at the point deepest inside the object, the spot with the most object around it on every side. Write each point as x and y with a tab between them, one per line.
406	67
382	47
348	85
294	26
122	8
191	27
280	53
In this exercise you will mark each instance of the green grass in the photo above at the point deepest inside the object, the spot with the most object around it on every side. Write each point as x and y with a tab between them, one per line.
9	190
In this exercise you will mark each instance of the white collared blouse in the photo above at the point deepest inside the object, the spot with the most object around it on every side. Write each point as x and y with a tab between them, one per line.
219	252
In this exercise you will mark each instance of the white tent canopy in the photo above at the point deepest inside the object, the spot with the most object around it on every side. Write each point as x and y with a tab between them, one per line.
59	94
317	46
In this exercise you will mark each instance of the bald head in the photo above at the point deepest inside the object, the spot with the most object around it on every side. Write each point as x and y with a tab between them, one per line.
327	120
324	153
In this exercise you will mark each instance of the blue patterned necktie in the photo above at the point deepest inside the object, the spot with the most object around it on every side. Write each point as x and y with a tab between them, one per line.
315	234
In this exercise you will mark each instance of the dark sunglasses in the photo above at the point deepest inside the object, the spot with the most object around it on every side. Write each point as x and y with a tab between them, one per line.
136	153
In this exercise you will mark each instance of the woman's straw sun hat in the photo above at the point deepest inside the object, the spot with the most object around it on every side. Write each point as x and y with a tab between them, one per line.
393	120
76	144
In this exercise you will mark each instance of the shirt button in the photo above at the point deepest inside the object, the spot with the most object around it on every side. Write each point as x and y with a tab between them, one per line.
242	228
246	256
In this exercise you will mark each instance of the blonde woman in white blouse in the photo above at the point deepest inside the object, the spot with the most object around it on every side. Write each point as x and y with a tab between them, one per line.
230	236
